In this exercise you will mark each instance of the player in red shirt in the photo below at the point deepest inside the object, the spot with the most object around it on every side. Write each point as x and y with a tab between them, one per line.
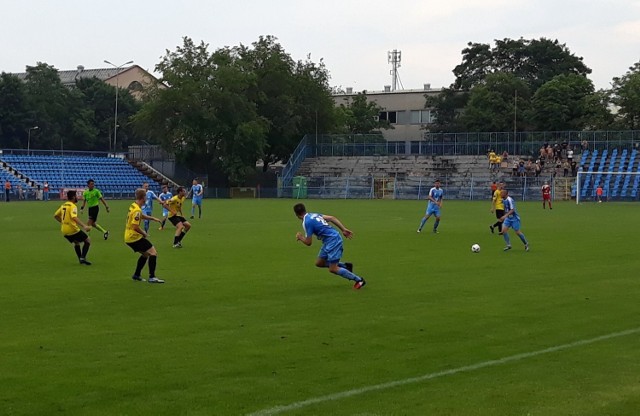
546	195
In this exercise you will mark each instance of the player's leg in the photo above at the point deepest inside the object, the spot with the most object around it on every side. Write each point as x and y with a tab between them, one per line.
85	250
505	235
76	247
178	234
437	221
200	208
193	207
153	258
142	260
424	221
516	228
186	226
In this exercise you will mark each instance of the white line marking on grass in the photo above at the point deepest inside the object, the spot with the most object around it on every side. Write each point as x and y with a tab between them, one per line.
349	393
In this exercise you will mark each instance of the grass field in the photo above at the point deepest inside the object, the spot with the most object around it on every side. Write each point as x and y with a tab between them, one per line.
247	325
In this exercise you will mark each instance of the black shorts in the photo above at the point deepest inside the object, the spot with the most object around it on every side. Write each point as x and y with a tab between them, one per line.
141	245
176	219
93	213
78	237
499	213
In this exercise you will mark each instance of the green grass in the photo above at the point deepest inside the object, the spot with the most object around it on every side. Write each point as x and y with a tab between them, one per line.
246	323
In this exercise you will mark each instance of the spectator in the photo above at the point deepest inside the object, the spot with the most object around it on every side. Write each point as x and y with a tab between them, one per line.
492	159
574	167
599	193
585	145
7	190
565	167
515	168
538	168
570	155
20	193
521	168
505	156
549	153
45	189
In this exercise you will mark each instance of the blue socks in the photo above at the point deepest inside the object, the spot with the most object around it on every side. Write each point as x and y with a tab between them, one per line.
422	223
506	239
523	239
342	272
435	225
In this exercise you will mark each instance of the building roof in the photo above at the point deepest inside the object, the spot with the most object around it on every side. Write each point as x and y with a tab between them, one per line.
69	77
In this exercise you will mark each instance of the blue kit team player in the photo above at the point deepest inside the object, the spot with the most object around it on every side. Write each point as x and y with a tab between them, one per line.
147	208
164	196
196	192
511	219
331	251
433	208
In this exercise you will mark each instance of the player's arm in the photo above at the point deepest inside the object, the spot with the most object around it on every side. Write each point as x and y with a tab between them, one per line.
104	203
493	203
506	214
147	217
81	224
58	215
333	220
304	239
84	202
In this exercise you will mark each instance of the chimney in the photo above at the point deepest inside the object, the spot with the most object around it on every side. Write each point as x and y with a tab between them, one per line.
387	88
349	90
427	87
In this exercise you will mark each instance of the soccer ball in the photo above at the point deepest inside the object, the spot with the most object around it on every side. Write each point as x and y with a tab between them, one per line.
475	248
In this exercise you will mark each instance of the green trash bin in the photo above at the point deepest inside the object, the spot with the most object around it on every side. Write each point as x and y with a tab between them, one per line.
299	187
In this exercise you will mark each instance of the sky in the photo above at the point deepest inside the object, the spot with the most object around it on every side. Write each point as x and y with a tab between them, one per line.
352	37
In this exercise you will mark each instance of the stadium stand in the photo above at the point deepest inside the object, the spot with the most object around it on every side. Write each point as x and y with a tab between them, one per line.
113	176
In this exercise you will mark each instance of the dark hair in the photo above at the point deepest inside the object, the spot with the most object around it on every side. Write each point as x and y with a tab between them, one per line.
180	188
90	181
299	209
71	194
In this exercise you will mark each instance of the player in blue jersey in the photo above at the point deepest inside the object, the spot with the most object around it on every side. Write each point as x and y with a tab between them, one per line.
164	196
197	190
331	251
511	219
433	208
147	208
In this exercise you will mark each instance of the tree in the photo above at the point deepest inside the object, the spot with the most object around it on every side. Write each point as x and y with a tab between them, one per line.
206	116
534	61
448	107
566	102
626	96
494	104
361	116
15	117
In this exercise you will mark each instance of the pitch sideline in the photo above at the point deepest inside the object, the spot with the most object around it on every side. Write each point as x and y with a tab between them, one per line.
512	358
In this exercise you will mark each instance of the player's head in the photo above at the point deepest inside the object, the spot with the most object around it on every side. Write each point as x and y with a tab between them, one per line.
500	185
72	196
546	182
165	188
300	210
504	193
181	191
195	181
91	183
437	183
141	194
145	186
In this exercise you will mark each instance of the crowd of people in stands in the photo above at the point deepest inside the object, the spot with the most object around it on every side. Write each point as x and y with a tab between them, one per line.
556	160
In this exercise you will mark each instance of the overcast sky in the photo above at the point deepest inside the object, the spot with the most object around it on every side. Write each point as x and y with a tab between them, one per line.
352	36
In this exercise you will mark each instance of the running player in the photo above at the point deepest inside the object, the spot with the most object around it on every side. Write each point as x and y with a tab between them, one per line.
196	198
91	196
147	208
435	197
70	224
331	250
546	195
136	238
176	218
164	196
498	207
511	219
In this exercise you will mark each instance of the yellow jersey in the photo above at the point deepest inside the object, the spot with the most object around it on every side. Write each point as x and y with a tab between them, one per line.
497	199
68	212
134	217
175	205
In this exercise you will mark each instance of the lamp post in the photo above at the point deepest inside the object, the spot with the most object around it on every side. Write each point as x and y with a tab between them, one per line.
29	137
115	116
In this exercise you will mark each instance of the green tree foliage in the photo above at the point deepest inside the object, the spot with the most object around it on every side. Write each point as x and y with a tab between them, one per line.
227	109
361	116
206	115
15	117
566	102
626	96
480	99
494	104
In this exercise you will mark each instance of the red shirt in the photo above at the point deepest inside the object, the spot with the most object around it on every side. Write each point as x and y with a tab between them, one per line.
546	190
599	191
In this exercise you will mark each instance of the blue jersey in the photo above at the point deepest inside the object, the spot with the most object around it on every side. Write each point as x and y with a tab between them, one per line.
148	202
196	191
165	196
436	194
510	204
315	224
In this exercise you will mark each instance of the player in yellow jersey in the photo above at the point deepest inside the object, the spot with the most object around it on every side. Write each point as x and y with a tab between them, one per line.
136	238
497	206
70	224
176	217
